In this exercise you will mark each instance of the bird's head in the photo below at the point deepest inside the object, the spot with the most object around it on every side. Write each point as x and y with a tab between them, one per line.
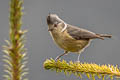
53	21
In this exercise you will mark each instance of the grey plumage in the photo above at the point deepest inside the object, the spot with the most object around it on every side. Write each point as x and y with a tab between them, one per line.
79	33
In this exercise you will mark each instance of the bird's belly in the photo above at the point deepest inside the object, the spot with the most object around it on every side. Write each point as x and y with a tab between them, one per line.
74	46
70	44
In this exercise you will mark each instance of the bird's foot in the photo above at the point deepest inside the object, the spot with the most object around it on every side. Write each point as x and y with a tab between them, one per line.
57	58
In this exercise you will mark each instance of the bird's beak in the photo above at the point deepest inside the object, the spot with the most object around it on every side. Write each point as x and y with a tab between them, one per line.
50	29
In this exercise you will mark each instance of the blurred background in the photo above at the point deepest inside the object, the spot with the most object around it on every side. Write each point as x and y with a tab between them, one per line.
100	16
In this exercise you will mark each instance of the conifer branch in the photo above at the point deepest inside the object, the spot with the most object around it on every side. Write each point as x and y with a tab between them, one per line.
15	52
91	70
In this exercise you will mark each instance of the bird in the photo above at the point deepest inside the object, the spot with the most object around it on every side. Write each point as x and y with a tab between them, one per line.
70	38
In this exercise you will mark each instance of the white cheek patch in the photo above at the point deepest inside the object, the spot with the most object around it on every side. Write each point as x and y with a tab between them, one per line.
65	27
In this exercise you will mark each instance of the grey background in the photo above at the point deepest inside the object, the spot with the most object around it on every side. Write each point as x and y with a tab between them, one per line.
100	16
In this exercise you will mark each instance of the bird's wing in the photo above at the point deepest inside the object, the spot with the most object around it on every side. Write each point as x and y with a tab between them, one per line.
79	33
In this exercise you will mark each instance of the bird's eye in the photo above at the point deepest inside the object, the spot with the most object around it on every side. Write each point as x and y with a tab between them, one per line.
55	25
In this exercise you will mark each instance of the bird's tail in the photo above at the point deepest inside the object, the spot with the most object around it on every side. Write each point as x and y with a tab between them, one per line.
101	36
